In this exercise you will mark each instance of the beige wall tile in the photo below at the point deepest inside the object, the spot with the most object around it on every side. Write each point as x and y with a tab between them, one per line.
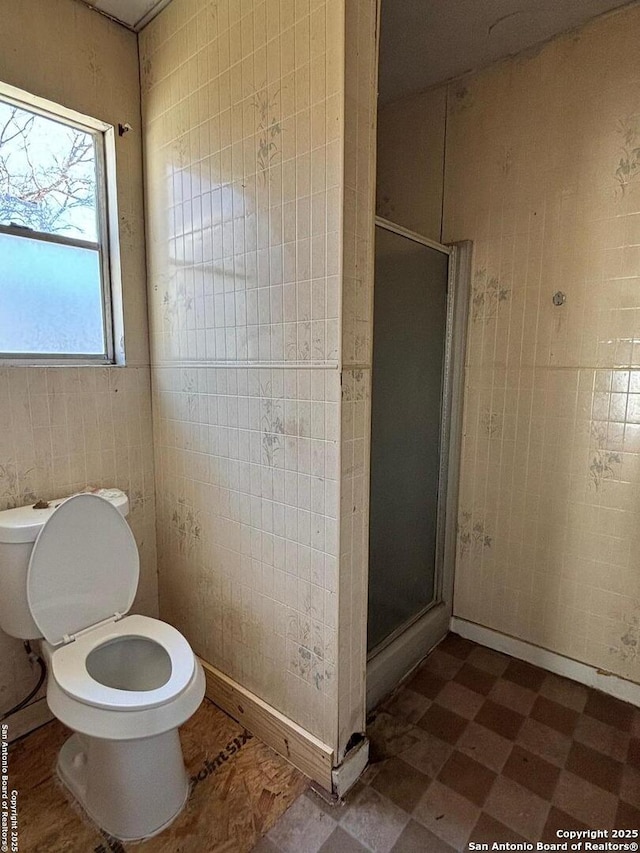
62	429
244	112
540	174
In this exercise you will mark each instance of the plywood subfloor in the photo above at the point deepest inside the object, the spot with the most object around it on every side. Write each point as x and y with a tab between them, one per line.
235	802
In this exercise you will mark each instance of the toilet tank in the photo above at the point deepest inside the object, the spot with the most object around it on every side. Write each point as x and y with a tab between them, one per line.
19	529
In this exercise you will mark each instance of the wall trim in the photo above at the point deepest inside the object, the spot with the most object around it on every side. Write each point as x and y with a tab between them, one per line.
591	676
305	751
308	364
28	719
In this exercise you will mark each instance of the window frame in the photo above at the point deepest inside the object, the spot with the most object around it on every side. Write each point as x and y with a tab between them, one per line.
107	244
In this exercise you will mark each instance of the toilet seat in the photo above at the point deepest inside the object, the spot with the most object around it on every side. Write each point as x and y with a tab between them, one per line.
68	665
83	570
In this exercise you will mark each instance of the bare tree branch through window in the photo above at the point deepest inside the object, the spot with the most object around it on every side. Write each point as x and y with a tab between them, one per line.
47	175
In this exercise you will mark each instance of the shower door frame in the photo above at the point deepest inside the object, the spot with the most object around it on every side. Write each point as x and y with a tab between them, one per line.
397	655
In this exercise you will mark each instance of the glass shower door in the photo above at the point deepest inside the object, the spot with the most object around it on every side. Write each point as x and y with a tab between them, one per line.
410	335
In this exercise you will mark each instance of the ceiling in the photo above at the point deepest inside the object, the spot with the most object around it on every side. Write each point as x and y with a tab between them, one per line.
134	14
424	42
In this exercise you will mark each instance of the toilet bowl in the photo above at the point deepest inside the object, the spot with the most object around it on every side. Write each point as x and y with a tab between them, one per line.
122	683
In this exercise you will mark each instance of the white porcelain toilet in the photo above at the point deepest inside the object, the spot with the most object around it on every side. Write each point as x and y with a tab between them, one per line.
69	574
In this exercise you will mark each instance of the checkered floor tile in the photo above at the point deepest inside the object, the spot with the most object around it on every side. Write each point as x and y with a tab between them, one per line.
479	747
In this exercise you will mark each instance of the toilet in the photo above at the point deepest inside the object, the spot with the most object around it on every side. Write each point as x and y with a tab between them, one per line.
123	684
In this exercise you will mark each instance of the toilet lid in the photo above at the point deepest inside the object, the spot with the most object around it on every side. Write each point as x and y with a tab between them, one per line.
84	568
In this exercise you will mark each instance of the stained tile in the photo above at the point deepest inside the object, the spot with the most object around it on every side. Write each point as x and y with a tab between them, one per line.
544	741
341	842
447	814
407	704
427	683
401	783
460	699
513	696
475	679
630	785
485	746
488	660
499	719
559	820
454	644
442	723
627	816
525	674
374	820
595	767
350	797
609	710
371	771
600	736
556	716
532	772
442	664
388	736
467	777
416	837
331	807
489	830
589	803
302	829
428	754
564	692
518	808
468	799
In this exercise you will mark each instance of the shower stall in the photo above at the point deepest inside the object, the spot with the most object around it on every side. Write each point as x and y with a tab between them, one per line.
421	298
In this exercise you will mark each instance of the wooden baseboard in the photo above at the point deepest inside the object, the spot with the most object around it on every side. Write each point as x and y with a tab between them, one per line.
28	718
591	676
302	749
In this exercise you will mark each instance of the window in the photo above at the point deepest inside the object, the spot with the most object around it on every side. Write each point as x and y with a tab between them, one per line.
55	289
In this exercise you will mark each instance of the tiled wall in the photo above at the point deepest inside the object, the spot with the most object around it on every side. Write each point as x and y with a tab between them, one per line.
243	106
62	429
543	173
247	505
